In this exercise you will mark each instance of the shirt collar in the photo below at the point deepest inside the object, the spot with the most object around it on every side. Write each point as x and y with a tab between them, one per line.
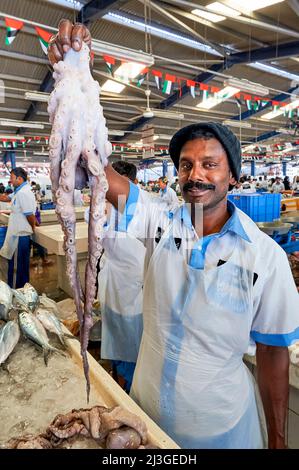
233	224
20	187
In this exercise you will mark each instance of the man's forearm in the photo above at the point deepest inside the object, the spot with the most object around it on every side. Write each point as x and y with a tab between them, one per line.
31	220
273	381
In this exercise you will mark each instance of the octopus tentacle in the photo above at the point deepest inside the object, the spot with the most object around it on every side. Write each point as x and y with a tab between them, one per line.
79	139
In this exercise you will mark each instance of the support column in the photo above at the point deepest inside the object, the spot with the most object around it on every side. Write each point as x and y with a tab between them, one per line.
164	167
252	163
284	168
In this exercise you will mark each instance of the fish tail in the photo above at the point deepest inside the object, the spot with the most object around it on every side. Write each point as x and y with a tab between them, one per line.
46	355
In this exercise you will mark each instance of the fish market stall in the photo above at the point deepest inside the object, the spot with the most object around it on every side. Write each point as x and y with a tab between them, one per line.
33	394
51	238
47	216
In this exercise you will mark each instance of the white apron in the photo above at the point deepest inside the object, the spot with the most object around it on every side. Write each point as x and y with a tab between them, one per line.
190	377
120	294
15	229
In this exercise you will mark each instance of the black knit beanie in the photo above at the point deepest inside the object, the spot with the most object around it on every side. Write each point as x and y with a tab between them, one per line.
229	141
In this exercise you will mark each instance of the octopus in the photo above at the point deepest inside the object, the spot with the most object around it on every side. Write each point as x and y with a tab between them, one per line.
78	151
112	428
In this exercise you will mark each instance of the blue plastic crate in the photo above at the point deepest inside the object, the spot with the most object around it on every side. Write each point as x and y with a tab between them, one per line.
262	207
47	206
3	231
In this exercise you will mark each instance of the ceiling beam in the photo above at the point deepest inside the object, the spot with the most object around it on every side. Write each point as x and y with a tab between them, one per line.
23	57
278	51
255	20
184	26
216	26
294	4
267	135
96	9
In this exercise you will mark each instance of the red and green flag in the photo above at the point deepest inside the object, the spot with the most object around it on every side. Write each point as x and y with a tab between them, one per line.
168	82
142	76
44	38
158	76
191	84
12	29
205	91
110	61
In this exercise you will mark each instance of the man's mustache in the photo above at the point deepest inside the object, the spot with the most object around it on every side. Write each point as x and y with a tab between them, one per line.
198	185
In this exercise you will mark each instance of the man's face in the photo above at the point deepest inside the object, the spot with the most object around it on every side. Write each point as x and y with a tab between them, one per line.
204	161
15	181
162	185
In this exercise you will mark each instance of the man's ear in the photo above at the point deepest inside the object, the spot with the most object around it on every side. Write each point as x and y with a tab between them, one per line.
232	179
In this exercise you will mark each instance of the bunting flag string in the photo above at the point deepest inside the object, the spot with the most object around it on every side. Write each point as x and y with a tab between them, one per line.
44	38
13	27
254	103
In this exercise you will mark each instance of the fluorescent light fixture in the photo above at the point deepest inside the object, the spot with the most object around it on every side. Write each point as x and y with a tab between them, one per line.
72	4
37	96
218	98
252	5
28	124
222	9
113	87
41	153
165	136
125	72
278	112
163	33
208	16
235	123
116	132
159	113
12	136
248	87
156	137
274	70
122	53
128	70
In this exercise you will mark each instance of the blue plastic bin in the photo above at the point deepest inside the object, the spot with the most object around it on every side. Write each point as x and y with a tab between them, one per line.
3	231
47	206
263	207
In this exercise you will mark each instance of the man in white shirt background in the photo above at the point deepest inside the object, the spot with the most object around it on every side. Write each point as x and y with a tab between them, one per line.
21	225
277	186
167	194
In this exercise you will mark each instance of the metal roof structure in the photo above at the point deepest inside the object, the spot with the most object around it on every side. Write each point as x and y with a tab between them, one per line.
261	46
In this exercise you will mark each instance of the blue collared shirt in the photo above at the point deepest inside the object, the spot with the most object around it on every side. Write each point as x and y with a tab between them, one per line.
20	187
233	226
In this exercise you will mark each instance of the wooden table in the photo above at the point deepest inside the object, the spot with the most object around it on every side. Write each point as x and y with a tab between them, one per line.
51	238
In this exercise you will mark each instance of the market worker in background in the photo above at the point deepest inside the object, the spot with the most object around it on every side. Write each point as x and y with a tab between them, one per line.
166	194
277	186
21	225
120	283
213	283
